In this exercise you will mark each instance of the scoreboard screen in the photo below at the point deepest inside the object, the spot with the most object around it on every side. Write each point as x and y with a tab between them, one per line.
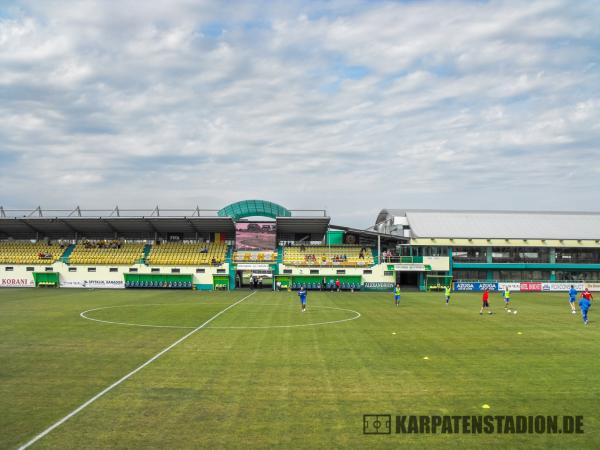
255	236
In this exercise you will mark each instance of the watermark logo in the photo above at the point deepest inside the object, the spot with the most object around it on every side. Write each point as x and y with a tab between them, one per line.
377	424
413	424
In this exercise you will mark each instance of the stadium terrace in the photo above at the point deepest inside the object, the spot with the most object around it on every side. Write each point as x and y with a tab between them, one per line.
259	244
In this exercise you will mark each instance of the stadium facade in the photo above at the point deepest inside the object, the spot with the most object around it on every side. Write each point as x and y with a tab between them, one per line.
543	248
256	243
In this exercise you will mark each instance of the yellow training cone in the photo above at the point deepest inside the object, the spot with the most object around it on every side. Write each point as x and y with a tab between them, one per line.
427	357
486	406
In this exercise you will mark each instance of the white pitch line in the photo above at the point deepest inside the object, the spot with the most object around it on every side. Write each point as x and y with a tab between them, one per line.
85	316
312	324
129	375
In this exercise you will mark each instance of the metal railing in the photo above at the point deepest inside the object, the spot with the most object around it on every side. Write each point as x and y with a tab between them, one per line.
401	259
134	212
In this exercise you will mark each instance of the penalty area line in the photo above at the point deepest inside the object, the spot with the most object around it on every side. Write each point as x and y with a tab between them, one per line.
129	375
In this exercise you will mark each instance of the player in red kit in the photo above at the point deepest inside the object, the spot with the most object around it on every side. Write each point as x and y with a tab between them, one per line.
486	303
587	295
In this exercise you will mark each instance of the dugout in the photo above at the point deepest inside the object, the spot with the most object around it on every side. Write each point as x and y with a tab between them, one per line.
315	283
46	279
180	281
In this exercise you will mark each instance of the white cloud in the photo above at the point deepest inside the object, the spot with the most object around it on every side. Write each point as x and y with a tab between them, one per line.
351	105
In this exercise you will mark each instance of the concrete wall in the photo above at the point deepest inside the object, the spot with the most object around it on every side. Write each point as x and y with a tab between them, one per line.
19	276
377	274
437	263
74	275
102	277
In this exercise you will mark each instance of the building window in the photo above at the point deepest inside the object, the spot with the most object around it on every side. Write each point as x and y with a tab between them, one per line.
340	272
388	273
578	255
49	269
314	271
501	255
287	270
9	269
133	270
574	276
469	254
367	272
29	269
113	269
72	269
221	271
520	255
435	251
175	270
200	270
91	269
521	275
469	275
155	270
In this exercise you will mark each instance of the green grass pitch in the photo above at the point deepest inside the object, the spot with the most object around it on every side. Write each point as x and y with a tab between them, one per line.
253	378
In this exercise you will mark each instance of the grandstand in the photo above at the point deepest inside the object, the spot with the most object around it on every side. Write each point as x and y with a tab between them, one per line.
23	252
254	256
104	252
187	254
208	249
535	250
324	256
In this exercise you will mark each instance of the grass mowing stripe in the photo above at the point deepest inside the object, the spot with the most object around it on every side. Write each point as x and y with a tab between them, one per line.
129	375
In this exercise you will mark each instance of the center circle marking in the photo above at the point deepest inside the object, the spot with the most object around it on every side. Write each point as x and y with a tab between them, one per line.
84	315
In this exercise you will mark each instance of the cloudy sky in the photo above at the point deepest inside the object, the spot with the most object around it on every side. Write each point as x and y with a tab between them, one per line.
345	105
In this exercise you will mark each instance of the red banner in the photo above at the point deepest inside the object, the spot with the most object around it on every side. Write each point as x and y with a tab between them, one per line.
531	287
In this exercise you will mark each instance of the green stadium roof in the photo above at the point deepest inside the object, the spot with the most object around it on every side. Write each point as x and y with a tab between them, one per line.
254	208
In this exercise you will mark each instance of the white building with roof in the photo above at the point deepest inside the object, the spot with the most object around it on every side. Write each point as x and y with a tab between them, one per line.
519	246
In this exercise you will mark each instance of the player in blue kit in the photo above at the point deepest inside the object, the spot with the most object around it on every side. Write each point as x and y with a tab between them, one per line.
584	305
572	298
302	295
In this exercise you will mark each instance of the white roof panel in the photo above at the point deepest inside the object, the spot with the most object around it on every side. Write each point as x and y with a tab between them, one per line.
502	224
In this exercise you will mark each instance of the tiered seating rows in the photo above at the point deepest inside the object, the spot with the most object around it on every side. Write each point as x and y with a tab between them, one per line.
335	255
19	252
254	256
113	253
171	253
187	254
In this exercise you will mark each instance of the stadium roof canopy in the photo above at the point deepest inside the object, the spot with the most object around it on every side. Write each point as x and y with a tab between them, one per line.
113	227
490	224
150	224
254	208
370	233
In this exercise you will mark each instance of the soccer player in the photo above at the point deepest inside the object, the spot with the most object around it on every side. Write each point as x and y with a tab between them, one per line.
448	289
506	298
302	295
397	295
486	304
572	298
587	295
584	305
